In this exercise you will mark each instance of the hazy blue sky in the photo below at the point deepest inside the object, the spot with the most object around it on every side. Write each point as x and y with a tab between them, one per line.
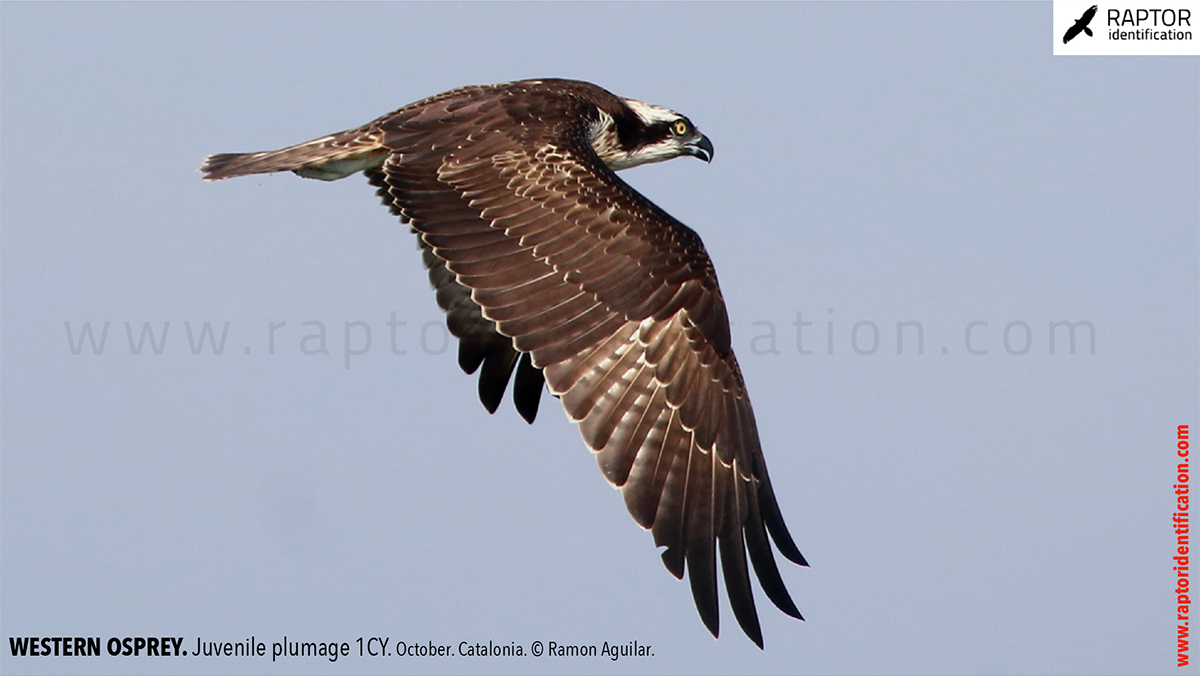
876	164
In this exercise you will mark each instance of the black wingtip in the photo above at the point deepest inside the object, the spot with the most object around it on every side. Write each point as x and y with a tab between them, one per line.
763	561
773	519
672	558
527	388
493	379
702	574
737	584
469	357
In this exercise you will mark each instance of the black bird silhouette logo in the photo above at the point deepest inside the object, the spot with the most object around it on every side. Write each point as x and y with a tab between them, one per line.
1081	25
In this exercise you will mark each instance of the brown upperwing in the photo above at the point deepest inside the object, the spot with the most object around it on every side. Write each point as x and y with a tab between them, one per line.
615	300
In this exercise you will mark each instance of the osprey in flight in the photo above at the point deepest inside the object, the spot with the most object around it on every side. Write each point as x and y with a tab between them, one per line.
550	266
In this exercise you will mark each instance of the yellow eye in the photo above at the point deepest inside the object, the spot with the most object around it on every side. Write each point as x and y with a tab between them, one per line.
681	127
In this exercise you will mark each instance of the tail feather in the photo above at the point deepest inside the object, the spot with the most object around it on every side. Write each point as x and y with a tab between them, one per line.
328	158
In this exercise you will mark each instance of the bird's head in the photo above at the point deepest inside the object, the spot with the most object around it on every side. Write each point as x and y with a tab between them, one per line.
641	133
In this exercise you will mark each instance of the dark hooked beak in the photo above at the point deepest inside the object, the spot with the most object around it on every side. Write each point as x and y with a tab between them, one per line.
702	148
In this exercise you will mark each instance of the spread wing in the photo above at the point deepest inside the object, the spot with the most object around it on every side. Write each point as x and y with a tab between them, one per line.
541	255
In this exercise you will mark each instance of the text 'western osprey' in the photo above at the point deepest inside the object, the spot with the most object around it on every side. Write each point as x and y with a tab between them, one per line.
550	266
